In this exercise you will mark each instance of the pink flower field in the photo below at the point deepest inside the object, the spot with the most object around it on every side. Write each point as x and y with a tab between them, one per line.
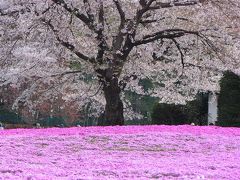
131	152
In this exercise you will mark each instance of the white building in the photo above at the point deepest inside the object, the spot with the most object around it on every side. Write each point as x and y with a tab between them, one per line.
212	108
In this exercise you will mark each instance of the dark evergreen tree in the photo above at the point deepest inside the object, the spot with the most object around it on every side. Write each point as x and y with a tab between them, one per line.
229	100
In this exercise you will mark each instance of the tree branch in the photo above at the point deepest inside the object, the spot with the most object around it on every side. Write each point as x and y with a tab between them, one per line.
180	50
102	45
14	12
148	21
204	67
67	44
66	73
88	10
145	7
160	5
126	79
120	11
76	12
165	34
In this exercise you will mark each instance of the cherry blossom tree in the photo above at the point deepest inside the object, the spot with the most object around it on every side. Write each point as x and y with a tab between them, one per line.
92	51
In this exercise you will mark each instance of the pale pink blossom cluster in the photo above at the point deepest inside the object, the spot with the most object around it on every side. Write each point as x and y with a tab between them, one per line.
132	152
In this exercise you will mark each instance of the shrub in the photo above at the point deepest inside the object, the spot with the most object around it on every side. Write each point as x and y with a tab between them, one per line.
7	116
197	110
169	114
52	121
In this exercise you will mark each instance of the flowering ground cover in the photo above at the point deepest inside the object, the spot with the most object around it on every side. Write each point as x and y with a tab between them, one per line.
132	152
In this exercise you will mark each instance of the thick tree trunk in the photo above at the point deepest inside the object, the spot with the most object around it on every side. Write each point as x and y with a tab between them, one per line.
113	114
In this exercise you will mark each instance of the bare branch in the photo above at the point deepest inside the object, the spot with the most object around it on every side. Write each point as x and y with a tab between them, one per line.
145	7
67	44
165	34
160	5
120	11
88	10
66	73
76	12
180	50
144	22
14	12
